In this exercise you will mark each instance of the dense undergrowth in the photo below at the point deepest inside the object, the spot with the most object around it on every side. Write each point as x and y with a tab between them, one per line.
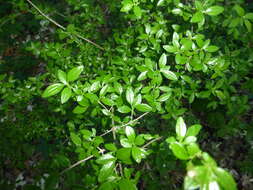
100	96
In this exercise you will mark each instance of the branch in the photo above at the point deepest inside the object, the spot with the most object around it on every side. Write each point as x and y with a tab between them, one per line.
150	142
130	122
80	161
62	27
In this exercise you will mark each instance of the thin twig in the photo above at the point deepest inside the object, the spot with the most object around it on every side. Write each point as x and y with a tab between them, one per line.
77	163
62	27
150	142
81	161
130	122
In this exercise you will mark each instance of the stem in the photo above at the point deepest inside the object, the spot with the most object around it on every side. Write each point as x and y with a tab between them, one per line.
150	142
62	27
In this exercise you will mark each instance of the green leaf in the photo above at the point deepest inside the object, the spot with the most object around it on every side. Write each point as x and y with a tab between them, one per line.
125	143
214	10
76	140
130	133
105	158
124	109
193	149
164	97
106	171
248	25
124	154
181	128
137	11
130	95
212	49
127	6
179	151
137	154
162	60
193	130
175	39
197	17
180	59
107	186
249	16
143	107
52	90
62	76
169	74
177	11
74	73
139	140
170	49
142	76
79	109
240	11
107	101
95	86
65	94
126	184
190	139
225	179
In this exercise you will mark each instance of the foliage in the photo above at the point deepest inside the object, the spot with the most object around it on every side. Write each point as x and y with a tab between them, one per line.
77	116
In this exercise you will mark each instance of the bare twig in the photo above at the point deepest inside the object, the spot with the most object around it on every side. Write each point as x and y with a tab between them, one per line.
150	142
130	122
62	27
77	163
80	161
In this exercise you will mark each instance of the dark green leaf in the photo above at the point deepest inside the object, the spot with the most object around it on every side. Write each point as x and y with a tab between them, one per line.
79	109
76	139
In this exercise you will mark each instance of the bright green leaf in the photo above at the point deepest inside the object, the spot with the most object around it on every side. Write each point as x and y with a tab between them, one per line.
124	109
130	133
52	90
106	171
179	151
137	154
180	128
169	74
62	76
130	96
143	107
65	94
74	73
162	60
214	10
193	130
